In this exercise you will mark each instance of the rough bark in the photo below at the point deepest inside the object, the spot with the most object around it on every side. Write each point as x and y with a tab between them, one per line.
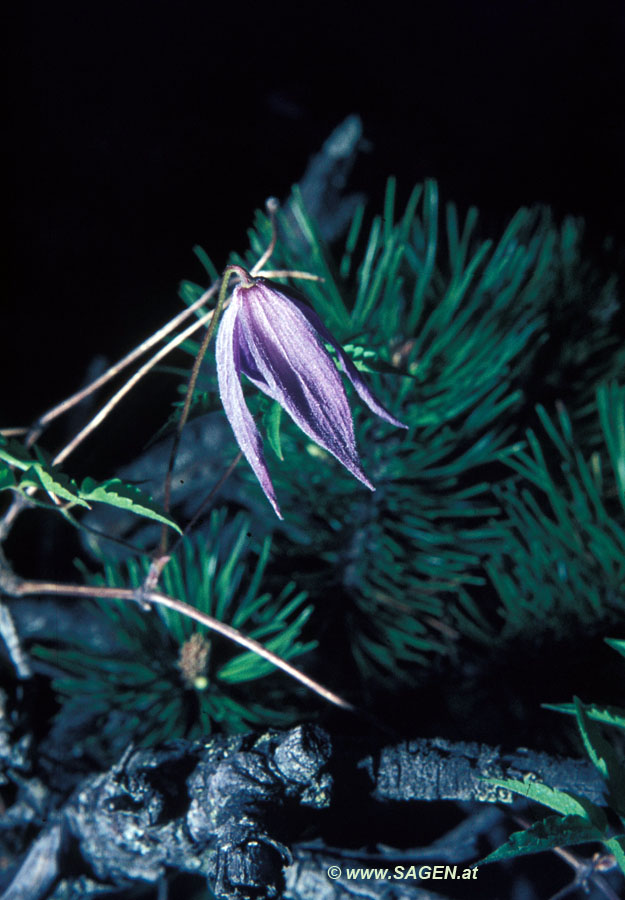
235	810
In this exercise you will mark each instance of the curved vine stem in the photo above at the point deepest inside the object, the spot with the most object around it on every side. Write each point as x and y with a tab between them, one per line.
18	587
36	429
127	387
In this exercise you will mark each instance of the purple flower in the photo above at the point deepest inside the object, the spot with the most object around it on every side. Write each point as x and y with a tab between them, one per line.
277	341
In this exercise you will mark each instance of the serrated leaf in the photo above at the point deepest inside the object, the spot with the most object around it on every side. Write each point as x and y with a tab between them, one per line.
382	367
561	802
554	831
37	473
370	361
602	755
272	420
607	715
54	483
114	492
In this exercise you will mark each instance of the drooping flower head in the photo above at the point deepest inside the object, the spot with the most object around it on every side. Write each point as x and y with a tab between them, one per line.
277	341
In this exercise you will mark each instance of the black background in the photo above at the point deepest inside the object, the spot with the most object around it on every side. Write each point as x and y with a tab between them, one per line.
137	130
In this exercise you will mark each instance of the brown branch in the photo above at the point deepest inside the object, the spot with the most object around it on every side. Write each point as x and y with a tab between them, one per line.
37	428
289	273
143	347
127	387
14	586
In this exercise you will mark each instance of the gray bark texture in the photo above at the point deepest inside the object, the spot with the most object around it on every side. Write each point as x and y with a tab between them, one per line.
240	811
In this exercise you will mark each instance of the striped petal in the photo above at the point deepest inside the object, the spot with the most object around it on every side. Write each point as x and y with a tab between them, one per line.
348	366
283	356
227	352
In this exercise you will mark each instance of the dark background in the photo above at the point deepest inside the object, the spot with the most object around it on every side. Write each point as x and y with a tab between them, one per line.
136	130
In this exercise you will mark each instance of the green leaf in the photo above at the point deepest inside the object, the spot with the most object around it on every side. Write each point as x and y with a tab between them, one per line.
616	846
389	208
430	227
114	492
38	473
189	292
617	645
207	262
54	483
352	238
596	747
249	666
272	420
561	802
602	756
370	361
329	302
611	404
607	715
554	831
13	453
7	478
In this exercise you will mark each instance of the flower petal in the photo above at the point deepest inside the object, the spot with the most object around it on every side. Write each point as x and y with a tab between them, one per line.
349	368
283	356
227	354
